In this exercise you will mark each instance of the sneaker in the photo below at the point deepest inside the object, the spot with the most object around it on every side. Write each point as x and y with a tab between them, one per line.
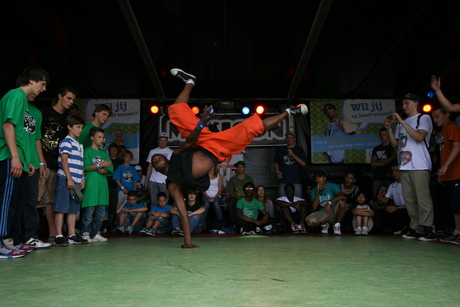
456	241
337	228
77	239
25	248
99	238
410	235
295	229
249	233
325	228
51	240
398	232
176	72
151	232
302	228
144	231
365	231
37	244
358	231
300	109
7	252
181	232
87	237
130	229
175	231
451	238
120	229
60	241
428	238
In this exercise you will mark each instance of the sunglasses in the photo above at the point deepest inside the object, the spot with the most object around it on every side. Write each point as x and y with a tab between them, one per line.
249	188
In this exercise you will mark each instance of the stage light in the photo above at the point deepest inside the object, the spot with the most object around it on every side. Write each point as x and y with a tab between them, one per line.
155	109
245	110
427	108
195	110
430	94
260	110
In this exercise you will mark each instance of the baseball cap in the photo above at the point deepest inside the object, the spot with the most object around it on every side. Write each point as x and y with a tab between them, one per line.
138	168
411	97
291	133
238	163
163	135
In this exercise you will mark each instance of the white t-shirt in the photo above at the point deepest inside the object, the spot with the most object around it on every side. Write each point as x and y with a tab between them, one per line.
413	155
285	199
156	176
213	187
395	193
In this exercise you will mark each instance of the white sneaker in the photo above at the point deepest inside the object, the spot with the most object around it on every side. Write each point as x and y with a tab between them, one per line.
37	244
99	238
359	231
325	228
86	236
365	231
337	228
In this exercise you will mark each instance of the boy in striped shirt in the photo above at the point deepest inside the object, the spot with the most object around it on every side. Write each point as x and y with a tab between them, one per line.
68	177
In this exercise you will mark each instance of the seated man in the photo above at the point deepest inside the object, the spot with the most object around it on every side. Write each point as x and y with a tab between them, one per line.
293	207
329	203
247	210
195	212
132	214
203	149
394	215
235	188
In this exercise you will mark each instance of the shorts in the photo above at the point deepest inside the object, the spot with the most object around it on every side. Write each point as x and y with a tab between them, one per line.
46	187
222	144
63	202
322	218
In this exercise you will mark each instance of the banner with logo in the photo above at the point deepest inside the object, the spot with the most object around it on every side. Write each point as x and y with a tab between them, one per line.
125	119
346	131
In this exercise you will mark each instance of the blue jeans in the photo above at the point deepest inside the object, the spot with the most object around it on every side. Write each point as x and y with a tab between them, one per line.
216	205
91	219
196	222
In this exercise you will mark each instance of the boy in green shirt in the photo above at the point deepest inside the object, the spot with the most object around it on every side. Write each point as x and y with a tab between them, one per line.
97	166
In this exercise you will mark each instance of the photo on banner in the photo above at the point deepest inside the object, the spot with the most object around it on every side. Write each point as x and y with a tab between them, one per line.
346	131
125	118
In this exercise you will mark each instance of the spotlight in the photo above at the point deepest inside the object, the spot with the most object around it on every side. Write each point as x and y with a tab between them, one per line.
427	108
155	109
245	110
260	110
195	110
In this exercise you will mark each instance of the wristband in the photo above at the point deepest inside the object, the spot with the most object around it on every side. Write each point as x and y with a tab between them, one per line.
199	125
83	178
42	163
389	130
122	187
98	166
278	172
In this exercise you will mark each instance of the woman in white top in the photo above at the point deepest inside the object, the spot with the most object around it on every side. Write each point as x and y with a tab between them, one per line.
212	195
262	197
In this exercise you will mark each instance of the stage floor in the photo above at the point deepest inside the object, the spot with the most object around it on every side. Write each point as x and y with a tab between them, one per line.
233	270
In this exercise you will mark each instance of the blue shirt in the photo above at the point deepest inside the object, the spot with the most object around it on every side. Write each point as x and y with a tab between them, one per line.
127	176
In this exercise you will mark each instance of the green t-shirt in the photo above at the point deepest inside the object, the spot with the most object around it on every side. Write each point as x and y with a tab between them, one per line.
34	116
251	210
84	136
13	109
235	184
97	189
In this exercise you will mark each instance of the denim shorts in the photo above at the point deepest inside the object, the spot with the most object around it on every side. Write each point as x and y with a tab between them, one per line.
63	202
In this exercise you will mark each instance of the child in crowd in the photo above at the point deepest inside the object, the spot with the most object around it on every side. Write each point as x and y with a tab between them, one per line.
159	217
131	213
97	165
126	177
69	178
363	213
195	212
293	207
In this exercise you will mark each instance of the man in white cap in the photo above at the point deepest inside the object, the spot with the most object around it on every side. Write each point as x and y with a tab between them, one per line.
156	182
288	162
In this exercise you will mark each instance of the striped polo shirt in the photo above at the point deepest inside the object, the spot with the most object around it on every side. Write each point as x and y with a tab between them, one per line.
75	160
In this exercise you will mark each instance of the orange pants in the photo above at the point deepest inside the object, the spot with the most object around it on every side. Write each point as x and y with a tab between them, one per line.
222	144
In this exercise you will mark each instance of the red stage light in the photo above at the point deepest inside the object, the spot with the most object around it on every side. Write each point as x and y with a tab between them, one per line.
427	108
260	110
195	110
155	109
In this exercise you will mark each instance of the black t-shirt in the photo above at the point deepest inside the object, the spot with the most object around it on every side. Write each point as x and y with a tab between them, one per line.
180	171
54	130
382	152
